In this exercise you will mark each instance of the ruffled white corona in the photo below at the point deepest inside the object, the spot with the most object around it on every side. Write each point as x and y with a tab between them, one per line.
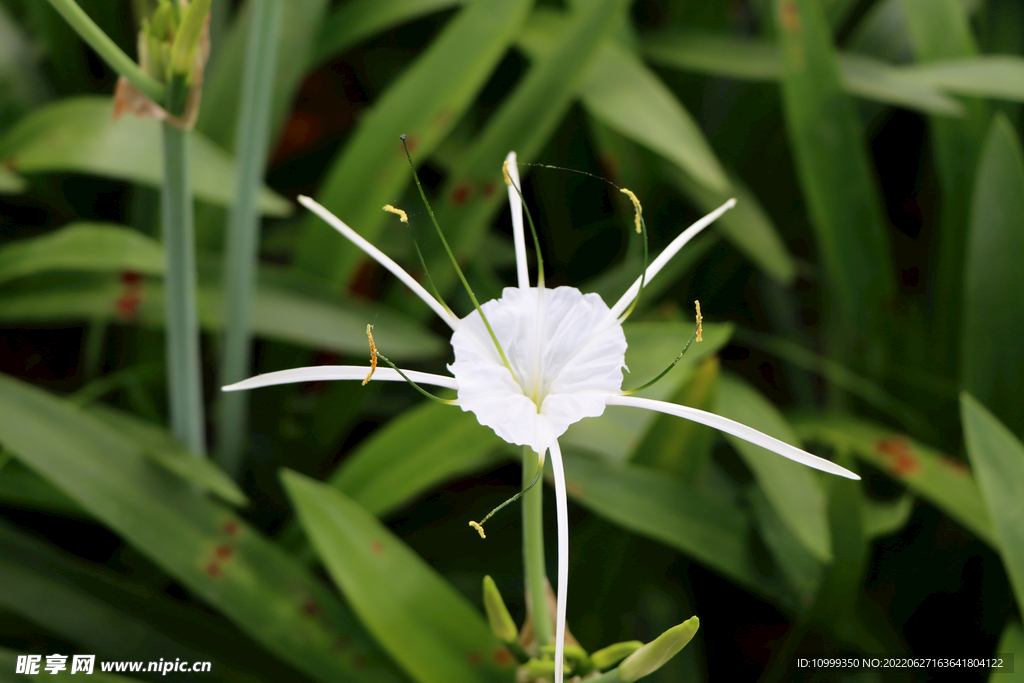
565	352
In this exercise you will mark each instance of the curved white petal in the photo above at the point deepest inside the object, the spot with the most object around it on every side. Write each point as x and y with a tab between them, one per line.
562	516
515	203
665	256
381	258
566	353
331	372
736	429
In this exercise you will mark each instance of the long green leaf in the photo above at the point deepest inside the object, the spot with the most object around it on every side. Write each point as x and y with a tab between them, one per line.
416	451
11	182
23	488
198	542
943	481
803	571
828	146
101	247
77	135
425	102
644	501
992	361
424	623
997	457
1011	642
994	76
794	491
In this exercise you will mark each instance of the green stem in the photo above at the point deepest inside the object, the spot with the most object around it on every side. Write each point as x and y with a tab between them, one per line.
109	51
533	549
241	250
184	381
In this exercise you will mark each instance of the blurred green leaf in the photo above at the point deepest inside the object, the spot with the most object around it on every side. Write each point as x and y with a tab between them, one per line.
1012	640
101	247
425	102
355	21
416	451
283	314
938	478
198	542
882	519
998	459
617	433
995	76
222	88
712	531
167	452
753	60
837	183
77	135
802	570
793	490
23	488
424	623
11	182
992	360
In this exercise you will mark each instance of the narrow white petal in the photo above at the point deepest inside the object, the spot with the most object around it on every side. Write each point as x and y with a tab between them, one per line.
736	429
664	257
515	203
562	516
324	372
381	258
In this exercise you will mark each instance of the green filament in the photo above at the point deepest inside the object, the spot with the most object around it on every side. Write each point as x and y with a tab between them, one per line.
533	230
479	526
666	370
643	280
417	387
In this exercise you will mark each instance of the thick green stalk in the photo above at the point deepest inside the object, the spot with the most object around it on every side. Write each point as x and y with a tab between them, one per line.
240	255
184	379
92	34
533	550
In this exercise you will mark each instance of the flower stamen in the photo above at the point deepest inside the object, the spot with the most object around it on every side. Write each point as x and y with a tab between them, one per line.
479	526
700	319
641	229
403	217
693	337
373	355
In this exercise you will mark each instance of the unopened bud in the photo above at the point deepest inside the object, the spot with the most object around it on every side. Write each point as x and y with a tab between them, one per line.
186	38
654	654
497	614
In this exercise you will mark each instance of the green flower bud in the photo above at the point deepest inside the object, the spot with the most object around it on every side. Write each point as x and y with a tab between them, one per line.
654	654
614	653
497	614
186	39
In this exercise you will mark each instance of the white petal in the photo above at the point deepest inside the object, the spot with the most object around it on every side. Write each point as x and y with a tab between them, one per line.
515	203
664	257
381	258
562	516
324	372
736	429
567	353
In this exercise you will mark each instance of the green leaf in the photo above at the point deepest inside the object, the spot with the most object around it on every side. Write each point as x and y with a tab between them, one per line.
992	361
425	102
282	314
1011	642
994	76
828	146
23	488
998	460
100	247
353	22
938	478
77	135
802	570
11	182
200	543
794	491
617	433
882	519
712	531
416	451
425	624
754	60
168	453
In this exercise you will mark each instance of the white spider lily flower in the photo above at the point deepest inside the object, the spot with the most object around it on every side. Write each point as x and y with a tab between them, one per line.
565	353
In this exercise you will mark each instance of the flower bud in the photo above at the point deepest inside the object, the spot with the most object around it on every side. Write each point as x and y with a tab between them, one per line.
497	614
614	653
654	654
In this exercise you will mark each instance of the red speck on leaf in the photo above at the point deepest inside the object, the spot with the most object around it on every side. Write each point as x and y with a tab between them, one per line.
230	527
11	164
790	16
223	551
377	548
311	609
127	305
488	188
502	656
474	658
131	277
958	467
411	142
214	570
460	195
896	450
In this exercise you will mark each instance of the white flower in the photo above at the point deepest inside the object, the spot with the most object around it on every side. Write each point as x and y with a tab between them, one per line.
565	352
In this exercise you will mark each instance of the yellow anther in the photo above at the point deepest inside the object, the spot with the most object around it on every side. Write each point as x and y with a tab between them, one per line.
479	529
636	207
504	172
700	319
398	212
373	354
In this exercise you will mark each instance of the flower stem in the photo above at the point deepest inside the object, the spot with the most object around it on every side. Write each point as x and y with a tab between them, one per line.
240	255
184	382
92	34
533	549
